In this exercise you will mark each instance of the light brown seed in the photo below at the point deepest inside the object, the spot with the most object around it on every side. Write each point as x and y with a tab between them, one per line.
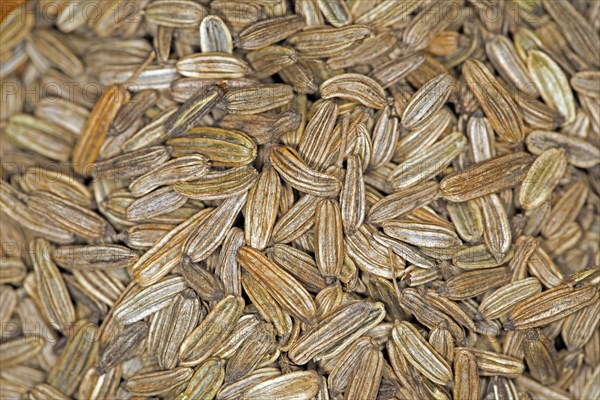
487	177
495	101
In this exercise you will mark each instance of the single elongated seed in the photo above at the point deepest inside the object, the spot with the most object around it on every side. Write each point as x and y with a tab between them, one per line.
148	300
329	238
487	177
578	152
286	289
166	253
122	347
299	175
269	31
206	237
87	147
77	357
203	341
550	305
495	101
420	354
175	13
301	385
337	325
543	176
429	164
54	297
158	382
427	101
212	66
215	35
552	83
541	357
466	376
505	298
193	110
255	99
94	257
219	184
355	87
262	207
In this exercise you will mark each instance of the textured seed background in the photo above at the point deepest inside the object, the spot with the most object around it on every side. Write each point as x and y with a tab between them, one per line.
309	199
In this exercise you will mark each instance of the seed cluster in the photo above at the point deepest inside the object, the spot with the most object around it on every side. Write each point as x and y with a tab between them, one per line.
309	199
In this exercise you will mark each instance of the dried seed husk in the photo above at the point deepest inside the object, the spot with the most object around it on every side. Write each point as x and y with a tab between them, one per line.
566	208
20	350
467	219
579	327
371	256
324	41
208	286
255	99
251	352
579	33
77	357
495	364
404	201
427	101
497	234
429	164
40	136
270	60
228	268
366	379
183	315
206	381
269	309
220	184
421	234
132	164
223	148
54	297
193	110
158	202
94	257
329	238
87	148
212	66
